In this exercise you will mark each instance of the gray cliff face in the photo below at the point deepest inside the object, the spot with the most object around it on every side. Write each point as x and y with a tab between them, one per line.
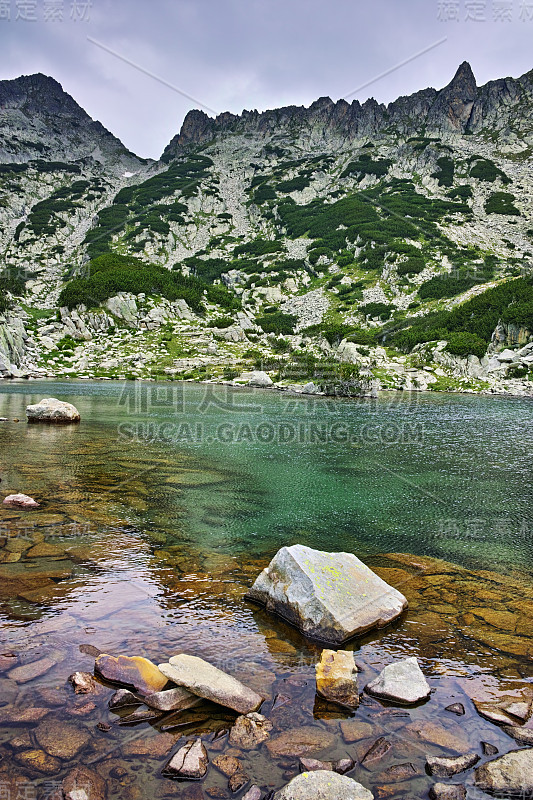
459	107
38	120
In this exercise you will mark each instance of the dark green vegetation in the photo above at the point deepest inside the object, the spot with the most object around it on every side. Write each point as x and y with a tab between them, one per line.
277	322
44	218
509	302
377	220
12	282
486	170
502	203
445	172
110	273
140	208
366	166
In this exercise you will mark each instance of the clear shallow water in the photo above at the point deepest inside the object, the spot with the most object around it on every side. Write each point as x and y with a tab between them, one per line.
168	499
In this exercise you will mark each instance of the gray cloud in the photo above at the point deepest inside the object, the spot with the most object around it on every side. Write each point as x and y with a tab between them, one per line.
235	54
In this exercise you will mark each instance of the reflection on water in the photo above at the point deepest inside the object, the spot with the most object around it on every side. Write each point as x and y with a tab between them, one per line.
159	510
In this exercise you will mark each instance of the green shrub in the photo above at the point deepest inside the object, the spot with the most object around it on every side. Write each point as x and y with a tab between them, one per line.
511	301
465	344
445	172
111	273
486	170
277	323
501	203
258	247
413	266
461	192
366	166
293	185
381	310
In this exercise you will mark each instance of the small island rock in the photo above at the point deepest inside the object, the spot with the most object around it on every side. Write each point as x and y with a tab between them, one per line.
53	412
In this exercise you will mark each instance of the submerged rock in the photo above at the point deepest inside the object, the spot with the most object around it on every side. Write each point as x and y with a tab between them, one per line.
327	596
447	767
189	762
83	783
401	682
62	739
52	411
447	791
28	672
336	677
20	501
131	671
250	731
300	741
39	760
237	782
379	750
510	774
228	765
323	785
211	683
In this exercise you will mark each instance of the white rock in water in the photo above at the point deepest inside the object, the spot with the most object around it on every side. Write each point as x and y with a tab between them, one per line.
402	682
211	683
323	785
190	762
53	411
260	379
510	774
20	501
327	596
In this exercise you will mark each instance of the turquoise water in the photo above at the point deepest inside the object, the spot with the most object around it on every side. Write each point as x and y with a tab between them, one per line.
439	475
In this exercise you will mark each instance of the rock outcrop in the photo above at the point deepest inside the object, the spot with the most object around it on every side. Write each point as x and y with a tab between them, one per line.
331	597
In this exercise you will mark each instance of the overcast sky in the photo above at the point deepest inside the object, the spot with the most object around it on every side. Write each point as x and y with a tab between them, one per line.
235	54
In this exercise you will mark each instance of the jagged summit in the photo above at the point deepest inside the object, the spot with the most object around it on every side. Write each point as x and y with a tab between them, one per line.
459	107
38	119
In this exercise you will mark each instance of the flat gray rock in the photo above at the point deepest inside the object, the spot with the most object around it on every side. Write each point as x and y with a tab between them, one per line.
511	774
402	682
323	785
209	682
327	596
177	699
191	762
447	767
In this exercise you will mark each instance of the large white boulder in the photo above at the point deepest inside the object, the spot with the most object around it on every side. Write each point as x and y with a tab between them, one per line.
259	379
323	785
327	596
53	411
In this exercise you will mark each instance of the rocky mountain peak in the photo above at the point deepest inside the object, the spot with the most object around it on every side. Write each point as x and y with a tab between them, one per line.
39	120
453	105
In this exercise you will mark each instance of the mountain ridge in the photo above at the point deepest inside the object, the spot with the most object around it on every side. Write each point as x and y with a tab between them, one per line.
459	107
